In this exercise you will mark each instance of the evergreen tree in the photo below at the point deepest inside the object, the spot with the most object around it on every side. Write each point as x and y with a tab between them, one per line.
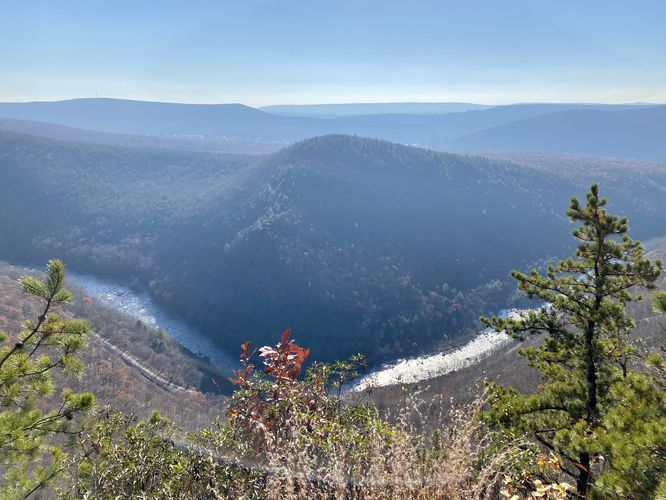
26	384
589	402
659	301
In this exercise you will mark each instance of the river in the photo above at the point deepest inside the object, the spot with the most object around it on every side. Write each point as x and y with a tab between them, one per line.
413	370
141	306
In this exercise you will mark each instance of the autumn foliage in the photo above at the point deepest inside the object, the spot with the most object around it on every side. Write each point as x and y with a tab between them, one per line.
264	405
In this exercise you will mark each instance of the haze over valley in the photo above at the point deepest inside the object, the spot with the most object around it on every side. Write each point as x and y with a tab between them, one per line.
626	131
389	249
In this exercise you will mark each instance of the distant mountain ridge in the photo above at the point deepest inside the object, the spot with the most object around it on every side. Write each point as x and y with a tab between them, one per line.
230	121
635	133
223	127
354	109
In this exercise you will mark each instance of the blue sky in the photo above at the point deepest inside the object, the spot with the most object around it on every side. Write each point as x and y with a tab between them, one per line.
310	51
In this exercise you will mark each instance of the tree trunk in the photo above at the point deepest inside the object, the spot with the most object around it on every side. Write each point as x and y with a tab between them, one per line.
583	475
591	403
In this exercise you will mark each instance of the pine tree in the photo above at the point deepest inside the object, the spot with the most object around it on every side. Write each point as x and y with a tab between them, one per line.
26	384
659	301
588	391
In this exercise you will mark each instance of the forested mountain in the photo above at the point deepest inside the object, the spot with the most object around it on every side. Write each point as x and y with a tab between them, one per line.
637	133
356	244
111	378
189	143
228	121
630	131
441	131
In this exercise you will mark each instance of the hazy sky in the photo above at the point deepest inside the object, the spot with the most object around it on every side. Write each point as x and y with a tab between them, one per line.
310	51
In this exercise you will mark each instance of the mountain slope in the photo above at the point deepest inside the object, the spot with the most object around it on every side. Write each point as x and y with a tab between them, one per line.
359	245
373	237
441	130
82	135
638	133
228	121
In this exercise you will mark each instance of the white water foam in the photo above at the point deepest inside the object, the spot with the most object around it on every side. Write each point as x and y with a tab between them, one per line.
410	371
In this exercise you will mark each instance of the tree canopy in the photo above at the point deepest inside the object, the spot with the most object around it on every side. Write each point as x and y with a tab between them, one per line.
603	420
29	416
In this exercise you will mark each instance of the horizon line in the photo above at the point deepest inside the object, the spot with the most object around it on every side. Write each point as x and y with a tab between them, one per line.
346	103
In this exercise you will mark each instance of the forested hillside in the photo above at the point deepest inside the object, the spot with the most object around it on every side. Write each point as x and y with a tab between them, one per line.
287	432
229	121
507	367
83	135
637	133
356	244
112	379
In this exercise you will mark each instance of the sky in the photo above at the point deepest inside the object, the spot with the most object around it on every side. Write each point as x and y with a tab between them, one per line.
261	52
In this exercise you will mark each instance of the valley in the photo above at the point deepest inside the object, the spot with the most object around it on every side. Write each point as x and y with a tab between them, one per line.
344	250
337	237
142	308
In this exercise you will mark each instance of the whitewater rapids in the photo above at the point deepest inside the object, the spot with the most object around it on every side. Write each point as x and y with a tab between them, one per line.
410	371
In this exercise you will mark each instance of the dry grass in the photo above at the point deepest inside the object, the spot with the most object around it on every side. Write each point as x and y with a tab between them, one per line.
387	462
